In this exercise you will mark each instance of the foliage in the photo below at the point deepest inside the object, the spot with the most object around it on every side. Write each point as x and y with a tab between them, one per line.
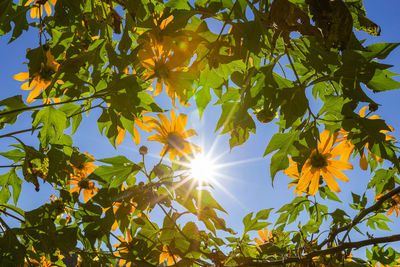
109	54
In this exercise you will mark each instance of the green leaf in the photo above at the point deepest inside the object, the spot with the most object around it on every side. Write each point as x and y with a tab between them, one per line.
228	109
10	179
107	123
326	192
15	155
378	220
118	160
360	20
379	50
115	175
178	4
66	238
54	122
202	98
5	195
283	143
382	81
263	214
17	15
204	199
15	183
254	224
4	6
72	110
11	103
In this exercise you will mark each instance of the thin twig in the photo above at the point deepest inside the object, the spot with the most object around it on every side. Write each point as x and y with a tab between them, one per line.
21	131
10	166
11	215
50	104
176	226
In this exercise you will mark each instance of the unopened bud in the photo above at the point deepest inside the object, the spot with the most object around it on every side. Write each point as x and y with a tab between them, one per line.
143	150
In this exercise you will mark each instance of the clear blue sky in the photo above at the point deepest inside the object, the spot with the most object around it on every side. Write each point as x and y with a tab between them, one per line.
248	182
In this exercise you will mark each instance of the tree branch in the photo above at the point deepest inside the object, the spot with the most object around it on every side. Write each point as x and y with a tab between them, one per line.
328	251
51	104
37	128
360	216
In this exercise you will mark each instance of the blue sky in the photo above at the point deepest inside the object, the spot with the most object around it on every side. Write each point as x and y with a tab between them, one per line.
247	177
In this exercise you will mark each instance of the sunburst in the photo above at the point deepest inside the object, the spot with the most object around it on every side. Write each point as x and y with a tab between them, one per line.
203	168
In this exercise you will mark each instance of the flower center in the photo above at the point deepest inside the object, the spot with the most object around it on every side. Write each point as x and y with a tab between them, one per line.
318	161
161	70
84	184
175	141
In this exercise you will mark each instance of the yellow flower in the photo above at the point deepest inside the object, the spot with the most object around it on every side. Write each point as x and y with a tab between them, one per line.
79	181
395	202
395	207
347	147
264	235
44	262
173	136
127	208
141	123
88	187
168	68
167	254
37	11
40	80
123	247
66	209
166	59
321	162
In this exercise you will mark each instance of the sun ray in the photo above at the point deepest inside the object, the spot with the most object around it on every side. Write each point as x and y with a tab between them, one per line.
233	163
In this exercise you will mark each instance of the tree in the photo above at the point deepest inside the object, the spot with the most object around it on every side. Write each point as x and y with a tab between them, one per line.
118	56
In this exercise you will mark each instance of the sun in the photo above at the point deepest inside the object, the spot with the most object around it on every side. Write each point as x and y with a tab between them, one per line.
202	168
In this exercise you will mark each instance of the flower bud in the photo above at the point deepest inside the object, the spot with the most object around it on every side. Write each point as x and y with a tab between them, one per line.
143	150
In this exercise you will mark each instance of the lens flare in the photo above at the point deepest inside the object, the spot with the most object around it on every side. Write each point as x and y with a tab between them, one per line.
202	168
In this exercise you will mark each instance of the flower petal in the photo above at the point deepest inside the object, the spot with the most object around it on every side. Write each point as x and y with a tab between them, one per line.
136	136
338	174
34	93
173	121
258	241
304	181
362	111
341	165
181	123
189	133
158	138
164	122
330	181
163	257
27	86
47	7
159	87
22	76
314	185
292	171
327	139
374	117
363	162
344	149
120	135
